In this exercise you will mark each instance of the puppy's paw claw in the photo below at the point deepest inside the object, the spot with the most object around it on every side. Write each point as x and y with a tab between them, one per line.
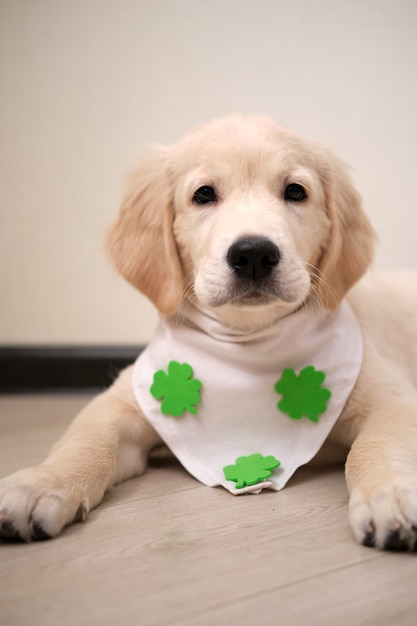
8	532
82	512
369	539
395	541
38	533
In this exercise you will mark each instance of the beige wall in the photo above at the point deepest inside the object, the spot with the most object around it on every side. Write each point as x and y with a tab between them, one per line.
84	83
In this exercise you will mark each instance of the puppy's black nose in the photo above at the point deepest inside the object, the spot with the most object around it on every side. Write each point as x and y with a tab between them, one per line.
253	257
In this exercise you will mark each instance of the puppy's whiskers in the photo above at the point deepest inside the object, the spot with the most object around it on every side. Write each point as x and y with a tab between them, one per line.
187	297
328	297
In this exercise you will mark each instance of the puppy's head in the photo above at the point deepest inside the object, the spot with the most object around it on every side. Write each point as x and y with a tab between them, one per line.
246	218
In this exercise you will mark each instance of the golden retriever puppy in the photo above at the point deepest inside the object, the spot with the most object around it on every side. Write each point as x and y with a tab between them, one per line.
250	241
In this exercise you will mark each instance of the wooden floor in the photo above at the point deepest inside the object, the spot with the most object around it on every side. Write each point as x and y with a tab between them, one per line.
165	550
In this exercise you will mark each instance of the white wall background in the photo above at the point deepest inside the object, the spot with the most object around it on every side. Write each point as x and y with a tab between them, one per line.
85	83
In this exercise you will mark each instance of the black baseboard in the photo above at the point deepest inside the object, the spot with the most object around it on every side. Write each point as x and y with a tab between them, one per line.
45	368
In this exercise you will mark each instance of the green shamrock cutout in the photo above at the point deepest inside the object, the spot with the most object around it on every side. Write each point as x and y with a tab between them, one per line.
178	391
250	470
303	394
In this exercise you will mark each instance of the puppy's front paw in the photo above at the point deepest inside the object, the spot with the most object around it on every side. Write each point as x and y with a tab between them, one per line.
384	516
36	503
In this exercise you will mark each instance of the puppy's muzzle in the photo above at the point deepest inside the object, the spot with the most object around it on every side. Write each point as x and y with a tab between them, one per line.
253	258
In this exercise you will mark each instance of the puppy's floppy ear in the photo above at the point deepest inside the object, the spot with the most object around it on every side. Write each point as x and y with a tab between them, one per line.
141	242
350	248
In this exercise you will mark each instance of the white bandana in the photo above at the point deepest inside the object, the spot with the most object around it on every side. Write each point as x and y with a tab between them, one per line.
234	412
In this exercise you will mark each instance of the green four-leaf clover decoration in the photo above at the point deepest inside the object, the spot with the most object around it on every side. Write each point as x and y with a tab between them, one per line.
178	390
303	395
251	470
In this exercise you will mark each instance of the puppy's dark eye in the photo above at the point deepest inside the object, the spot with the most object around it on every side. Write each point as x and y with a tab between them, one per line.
295	193
204	195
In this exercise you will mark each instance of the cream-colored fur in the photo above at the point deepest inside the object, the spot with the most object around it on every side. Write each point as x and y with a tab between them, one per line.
172	249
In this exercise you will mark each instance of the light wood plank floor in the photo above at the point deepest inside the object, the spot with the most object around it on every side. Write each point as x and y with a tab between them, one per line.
165	550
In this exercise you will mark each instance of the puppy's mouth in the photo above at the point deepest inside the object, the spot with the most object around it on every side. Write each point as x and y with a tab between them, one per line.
255	299
251	293
287	290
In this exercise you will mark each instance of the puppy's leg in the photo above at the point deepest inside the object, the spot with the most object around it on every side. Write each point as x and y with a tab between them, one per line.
381	473
108	442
